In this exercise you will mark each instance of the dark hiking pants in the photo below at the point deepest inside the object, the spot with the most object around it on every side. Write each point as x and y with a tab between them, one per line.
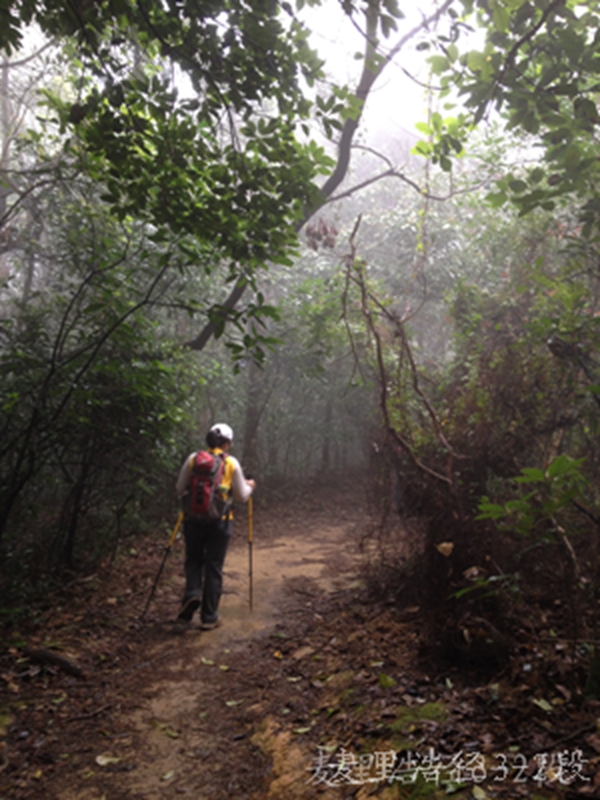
205	549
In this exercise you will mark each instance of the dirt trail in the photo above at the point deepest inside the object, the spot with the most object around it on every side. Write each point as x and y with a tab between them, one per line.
264	707
183	702
310	556
175	713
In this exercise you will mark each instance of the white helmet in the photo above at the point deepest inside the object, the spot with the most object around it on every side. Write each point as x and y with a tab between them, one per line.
222	430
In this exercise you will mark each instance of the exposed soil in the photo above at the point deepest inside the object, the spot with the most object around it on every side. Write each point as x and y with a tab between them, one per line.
164	709
306	695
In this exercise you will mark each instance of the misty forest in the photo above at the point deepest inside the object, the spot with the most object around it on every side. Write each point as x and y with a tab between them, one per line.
366	235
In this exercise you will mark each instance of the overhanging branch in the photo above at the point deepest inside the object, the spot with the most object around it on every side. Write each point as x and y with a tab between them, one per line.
373	65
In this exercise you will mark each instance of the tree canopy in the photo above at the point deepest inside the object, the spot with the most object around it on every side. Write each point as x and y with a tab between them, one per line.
187	116
196	119
539	70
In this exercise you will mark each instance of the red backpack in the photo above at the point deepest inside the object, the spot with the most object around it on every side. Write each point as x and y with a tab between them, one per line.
206	499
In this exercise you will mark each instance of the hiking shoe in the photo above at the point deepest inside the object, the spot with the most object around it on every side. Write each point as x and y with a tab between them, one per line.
210	626
188	608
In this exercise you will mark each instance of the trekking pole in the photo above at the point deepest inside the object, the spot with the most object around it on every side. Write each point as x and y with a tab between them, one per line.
250	551
168	549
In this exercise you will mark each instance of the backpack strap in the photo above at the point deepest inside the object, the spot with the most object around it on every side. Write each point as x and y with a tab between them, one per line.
228	507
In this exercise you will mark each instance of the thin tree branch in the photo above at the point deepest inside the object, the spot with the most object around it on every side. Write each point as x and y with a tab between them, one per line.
371	71
393	173
29	58
12	210
359	186
510	57
366	297
200	342
415	377
350	259
383	403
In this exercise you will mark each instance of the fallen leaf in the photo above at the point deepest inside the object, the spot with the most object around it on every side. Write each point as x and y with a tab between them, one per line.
472	572
543	704
60	699
301	730
564	691
277	654
302	652
232	703
104	760
207	661
224	667
445	548
168	775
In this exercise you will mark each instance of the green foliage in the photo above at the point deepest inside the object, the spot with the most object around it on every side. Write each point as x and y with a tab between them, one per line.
91	396
233	55
554	489
310	409
538	68
514	386
521	392
163	162
447	138
187	119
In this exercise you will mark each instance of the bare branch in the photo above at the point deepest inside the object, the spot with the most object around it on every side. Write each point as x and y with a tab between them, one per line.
31	57
393	173
22	197
358	279
357	188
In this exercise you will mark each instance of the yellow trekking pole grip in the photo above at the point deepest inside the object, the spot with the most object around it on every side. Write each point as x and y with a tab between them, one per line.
176	529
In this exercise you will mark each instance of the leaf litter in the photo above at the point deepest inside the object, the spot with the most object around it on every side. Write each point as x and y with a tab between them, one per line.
330	686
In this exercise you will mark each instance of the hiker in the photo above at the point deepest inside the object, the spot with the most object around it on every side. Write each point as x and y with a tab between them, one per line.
206	541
